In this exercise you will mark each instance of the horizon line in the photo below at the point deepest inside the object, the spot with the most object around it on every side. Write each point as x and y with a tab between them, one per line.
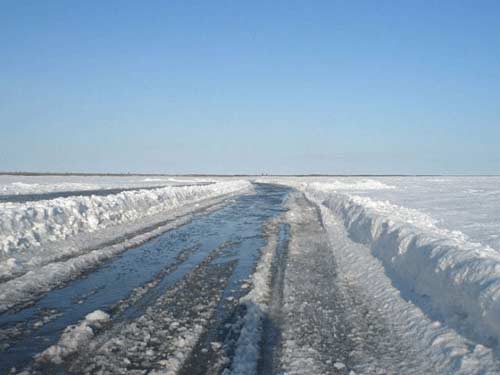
118	174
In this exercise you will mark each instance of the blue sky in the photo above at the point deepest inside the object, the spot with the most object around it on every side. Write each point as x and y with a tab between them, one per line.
249	87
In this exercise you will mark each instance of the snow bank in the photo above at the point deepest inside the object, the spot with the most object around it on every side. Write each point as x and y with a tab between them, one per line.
437	348
456	280
32	224
25	185
39	270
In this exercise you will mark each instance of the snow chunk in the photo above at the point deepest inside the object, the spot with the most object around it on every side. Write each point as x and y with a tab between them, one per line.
215	346
339	365
73	338
97	317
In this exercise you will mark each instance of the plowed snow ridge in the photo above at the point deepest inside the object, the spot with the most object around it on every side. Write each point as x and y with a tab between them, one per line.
25	225
456	280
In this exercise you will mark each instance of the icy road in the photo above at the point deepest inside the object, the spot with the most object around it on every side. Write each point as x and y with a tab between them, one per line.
269	280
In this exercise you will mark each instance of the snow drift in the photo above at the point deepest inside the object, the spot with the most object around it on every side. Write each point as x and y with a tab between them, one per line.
25	225
451	278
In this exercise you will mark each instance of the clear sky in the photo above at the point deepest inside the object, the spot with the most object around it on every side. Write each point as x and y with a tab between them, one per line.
250	86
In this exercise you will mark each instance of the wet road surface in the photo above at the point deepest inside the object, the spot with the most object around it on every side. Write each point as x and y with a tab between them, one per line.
177	304
227	241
